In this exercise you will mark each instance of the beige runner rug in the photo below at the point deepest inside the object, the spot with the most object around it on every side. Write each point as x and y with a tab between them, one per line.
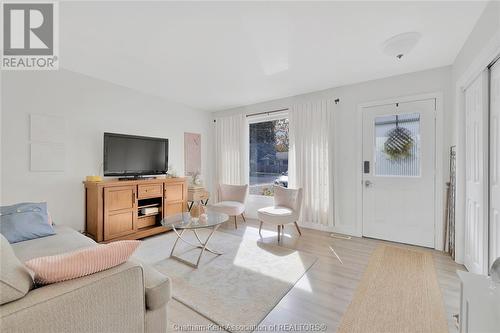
398	292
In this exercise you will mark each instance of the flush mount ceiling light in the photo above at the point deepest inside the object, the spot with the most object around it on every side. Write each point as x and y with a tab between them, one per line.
399	45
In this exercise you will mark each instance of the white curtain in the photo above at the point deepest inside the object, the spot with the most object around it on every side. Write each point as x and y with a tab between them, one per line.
231	140
311	159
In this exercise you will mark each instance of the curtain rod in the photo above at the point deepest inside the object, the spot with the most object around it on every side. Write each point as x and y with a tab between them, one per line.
267	112
337	100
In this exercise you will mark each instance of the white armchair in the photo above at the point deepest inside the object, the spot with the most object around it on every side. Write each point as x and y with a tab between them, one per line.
232	199
286	209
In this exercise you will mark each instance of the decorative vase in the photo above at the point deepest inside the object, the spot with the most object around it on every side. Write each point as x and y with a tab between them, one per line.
195	211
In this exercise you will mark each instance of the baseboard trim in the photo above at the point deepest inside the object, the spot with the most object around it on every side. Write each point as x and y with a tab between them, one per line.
330	229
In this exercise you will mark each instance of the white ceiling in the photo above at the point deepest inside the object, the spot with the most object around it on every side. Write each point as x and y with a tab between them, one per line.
217	55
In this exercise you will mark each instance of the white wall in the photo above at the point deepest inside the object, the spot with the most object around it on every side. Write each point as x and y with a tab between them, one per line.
90	107
480	48
347	145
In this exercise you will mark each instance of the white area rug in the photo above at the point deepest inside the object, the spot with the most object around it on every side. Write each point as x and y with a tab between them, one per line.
237	289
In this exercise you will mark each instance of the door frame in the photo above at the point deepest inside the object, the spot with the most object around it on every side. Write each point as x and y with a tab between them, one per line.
438	160
492	242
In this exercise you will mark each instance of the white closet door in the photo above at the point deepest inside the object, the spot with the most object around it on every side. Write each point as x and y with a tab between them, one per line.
494	162
476	168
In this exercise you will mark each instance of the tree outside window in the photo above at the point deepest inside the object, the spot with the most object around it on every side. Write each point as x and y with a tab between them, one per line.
269	144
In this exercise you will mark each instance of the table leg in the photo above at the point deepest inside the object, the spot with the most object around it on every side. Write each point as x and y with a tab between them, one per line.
179	236
205	245
202	245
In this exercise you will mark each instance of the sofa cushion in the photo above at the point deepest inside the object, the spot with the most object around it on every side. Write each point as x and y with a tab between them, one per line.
15	280
72	265
25	221
65	240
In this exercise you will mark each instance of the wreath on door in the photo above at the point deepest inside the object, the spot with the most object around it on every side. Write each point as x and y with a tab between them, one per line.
399	143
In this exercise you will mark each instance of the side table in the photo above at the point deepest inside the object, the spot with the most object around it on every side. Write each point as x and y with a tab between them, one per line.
480	303
198	195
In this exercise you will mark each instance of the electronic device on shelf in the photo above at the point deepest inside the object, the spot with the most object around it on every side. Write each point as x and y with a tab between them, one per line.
134	157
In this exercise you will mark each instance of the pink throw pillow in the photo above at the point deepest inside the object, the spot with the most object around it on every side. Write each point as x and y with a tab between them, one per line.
82	262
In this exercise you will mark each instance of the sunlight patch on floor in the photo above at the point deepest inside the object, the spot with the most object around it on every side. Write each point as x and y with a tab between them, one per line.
271	260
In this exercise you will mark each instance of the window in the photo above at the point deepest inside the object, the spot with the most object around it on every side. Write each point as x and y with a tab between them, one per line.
397	145
268	155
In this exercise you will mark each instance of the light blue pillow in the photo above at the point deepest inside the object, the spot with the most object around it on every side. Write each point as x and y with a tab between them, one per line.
25	221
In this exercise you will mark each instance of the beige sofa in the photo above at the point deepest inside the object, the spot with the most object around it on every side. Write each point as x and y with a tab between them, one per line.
131	297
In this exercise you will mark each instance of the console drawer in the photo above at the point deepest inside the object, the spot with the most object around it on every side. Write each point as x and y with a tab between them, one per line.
146	221
150	191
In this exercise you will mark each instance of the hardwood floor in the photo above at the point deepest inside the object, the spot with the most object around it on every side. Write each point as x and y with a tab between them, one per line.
322	295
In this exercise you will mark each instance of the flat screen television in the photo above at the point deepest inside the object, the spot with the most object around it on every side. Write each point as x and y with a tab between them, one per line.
134	156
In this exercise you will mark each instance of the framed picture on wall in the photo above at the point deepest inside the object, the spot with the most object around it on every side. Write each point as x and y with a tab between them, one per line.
192	153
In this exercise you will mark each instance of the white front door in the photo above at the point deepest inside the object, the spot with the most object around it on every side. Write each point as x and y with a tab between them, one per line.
476	171
398	172
494	162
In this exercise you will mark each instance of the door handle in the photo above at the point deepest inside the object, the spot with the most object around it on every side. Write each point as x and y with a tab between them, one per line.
368	183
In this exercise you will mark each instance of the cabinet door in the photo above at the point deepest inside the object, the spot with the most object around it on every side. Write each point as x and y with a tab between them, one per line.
120	211
174	198
173	208
174	192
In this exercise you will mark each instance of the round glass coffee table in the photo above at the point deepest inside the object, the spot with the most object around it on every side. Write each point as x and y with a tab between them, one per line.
182	222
